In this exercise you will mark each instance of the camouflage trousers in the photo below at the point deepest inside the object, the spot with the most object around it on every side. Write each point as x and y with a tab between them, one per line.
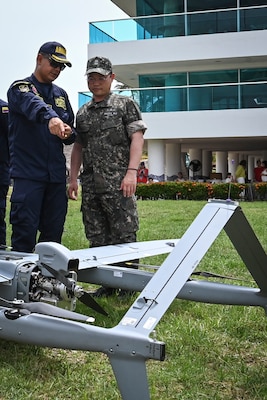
109	218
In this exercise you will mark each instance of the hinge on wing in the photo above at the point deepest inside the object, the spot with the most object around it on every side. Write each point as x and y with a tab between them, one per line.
144	301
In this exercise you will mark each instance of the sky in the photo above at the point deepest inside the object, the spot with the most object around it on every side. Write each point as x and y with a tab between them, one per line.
26	24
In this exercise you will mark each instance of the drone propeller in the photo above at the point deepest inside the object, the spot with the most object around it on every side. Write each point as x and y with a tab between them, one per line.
46	309
75	290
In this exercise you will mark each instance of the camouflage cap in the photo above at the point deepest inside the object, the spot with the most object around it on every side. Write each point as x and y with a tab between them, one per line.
101	65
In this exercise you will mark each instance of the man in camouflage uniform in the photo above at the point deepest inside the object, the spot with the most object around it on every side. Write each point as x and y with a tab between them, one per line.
109	143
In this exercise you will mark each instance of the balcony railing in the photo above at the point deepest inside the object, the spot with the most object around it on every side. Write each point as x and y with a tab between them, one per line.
195	97
179	24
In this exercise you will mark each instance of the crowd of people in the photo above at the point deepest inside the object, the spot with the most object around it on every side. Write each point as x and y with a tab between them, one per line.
259	172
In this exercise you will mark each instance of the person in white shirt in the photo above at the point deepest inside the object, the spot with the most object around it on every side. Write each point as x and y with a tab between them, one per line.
229	178
264	172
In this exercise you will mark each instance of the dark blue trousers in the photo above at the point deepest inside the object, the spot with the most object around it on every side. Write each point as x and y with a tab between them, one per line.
3	194
37	206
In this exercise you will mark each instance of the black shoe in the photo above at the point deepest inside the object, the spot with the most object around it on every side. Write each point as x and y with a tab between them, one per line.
126	293
103	292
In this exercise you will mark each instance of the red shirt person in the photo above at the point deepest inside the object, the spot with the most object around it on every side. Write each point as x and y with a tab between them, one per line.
257	171
142	173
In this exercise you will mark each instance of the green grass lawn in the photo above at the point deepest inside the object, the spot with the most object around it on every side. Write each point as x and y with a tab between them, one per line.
212	351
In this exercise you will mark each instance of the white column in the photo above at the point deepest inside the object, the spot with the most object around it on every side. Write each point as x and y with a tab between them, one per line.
206	163
156	159
233	161
221	163
250	167
173	160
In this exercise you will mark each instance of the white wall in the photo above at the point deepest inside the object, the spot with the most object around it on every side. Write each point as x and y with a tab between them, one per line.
222	50
205	124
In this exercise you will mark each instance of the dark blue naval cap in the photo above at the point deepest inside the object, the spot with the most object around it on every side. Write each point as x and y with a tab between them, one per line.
56	51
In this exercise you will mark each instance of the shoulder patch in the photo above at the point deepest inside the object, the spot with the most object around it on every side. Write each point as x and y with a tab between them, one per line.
24	86
4	109
16	83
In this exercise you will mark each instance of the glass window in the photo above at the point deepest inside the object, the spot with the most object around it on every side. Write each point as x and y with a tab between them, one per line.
84	98
253	19
251	3
159	27
200	98
161	100
253	96
157	7
162	80
213	98
253	75
176	99
224	97
217	22
151	81
97	35
152	100
173	25
197	5
207	77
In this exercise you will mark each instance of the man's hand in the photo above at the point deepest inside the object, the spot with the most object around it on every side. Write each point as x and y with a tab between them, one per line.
73	190
128	184
59	128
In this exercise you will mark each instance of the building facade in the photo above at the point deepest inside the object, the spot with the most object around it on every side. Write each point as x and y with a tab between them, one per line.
198	70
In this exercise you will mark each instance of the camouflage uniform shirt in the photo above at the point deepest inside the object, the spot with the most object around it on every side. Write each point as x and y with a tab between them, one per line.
104	130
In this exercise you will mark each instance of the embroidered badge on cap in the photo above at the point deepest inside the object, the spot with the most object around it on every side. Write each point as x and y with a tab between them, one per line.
60	50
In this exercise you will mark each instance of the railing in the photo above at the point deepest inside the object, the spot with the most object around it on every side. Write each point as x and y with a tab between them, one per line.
195	97
179	24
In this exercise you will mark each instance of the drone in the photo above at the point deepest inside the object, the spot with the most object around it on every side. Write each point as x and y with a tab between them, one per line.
39	291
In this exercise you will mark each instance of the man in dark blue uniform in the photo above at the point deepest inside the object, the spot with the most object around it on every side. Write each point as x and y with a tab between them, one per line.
4	168
40	121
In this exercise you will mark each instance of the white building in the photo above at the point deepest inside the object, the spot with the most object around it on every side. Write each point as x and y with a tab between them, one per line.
198	70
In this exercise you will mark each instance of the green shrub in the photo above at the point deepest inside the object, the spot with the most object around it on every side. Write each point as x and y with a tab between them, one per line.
192	190
224	191
260	190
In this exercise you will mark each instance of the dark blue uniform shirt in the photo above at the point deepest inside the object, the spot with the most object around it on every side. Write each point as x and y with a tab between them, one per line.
4	150
35	153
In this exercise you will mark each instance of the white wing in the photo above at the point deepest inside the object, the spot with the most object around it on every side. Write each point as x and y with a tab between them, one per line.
95	256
